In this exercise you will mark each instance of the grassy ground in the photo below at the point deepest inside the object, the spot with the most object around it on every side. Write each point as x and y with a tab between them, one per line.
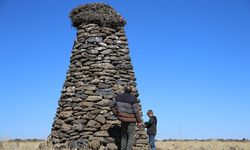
21	144
161	145
203	145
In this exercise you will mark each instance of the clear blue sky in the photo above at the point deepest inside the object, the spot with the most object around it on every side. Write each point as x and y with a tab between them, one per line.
191	58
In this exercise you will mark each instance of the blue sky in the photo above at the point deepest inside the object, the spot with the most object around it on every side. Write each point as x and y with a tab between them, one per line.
191	58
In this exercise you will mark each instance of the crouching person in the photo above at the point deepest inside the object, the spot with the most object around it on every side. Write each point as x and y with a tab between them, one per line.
127	109
151	128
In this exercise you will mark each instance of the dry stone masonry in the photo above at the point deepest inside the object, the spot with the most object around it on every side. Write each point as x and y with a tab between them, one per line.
100	66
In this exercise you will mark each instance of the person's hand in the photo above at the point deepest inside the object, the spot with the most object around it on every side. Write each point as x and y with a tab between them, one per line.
139	124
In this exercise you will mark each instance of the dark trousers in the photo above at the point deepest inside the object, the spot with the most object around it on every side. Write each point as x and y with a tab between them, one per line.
128	130
152	141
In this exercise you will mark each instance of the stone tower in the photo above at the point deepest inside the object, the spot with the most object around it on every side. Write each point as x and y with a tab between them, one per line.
99	68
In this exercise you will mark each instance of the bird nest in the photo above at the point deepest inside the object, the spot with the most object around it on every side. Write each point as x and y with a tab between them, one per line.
98	13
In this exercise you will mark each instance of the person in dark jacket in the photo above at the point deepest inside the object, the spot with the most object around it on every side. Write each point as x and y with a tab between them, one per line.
127	109
151	128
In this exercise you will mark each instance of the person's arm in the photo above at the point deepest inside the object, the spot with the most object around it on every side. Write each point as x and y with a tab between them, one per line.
137	112
149	123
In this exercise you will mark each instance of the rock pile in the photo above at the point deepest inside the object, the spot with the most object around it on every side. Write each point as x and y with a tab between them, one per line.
99	68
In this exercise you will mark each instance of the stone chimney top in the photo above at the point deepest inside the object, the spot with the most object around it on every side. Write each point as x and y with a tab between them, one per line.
97	13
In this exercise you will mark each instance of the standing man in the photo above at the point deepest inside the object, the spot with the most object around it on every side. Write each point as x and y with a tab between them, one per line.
151	128
127	109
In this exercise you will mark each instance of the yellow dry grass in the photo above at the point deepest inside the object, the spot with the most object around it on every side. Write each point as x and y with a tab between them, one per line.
203	145
20	144
161	145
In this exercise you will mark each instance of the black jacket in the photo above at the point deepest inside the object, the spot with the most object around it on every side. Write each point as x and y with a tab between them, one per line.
151	125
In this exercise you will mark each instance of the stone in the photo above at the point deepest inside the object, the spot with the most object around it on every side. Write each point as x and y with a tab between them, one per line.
68	108
113	122
94	40
94	98
83	121
80	143
86	116
74	137
104	102
109	140
101	139
100	48
95	111
90	129
103	65
107	115
103	85
78	127
86	104
69	120
142	141
101	119
89	92
93	124
65	114
59	122
89	88
101	134
105	92
93	51
70	89
106	126
42	146
104	108
95	81
111	146
65	127
79	113
103	44
95	144
102	147
142	132
113	47
104	112
72	133
78	108
107	51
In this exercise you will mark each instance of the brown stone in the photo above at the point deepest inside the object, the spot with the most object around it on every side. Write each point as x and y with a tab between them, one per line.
65	114
101	134
89	129
142	141
65	127
86	104
94	98
113	122
95	144
93	124
106	126
111	146
101	119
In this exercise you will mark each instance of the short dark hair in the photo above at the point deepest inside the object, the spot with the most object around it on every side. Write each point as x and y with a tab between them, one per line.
150	111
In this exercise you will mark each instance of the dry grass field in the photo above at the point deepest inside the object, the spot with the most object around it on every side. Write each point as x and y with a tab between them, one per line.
203	145
21	144
161	145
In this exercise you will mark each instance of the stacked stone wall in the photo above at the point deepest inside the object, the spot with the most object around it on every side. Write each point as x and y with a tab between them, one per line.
100	67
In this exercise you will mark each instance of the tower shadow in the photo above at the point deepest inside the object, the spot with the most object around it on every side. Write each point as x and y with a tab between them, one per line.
116	133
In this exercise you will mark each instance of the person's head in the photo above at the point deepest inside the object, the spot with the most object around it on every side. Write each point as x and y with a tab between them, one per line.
128	88
150	113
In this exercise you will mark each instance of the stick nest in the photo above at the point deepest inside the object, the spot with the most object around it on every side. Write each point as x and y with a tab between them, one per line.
98	13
